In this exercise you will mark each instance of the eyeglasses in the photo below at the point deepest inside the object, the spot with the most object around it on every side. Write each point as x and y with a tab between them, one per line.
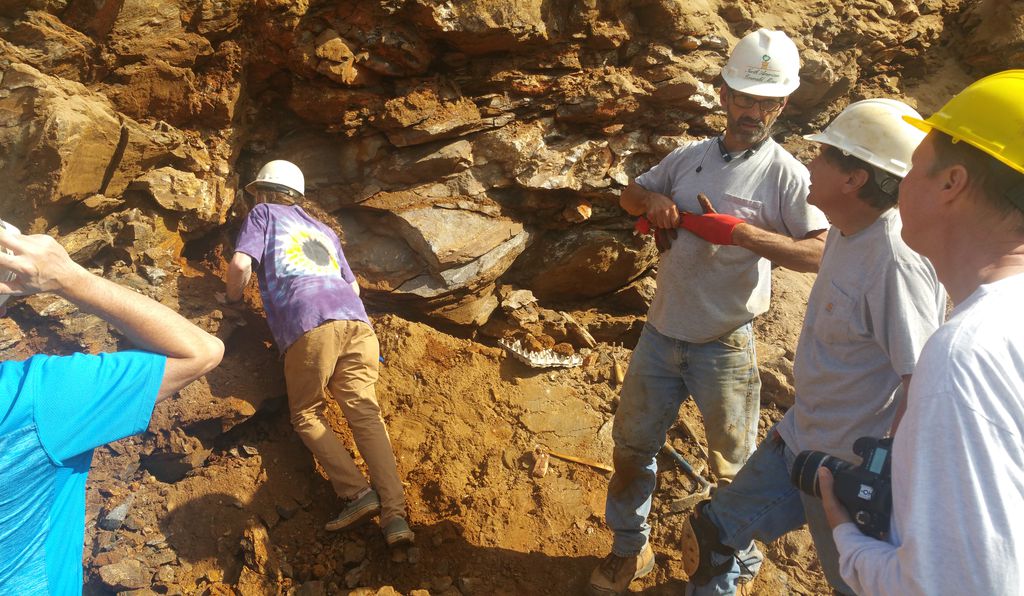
767	106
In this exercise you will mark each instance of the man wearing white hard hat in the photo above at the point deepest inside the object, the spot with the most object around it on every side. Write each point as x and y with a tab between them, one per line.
698	340
957	465
330	350
873	305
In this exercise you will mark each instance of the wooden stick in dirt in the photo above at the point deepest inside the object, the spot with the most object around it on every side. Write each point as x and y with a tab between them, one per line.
580	460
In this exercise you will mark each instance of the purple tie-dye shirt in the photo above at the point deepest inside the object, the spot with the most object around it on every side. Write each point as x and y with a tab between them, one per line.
303	275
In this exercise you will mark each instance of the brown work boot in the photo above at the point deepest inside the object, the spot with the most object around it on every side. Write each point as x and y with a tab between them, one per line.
613	575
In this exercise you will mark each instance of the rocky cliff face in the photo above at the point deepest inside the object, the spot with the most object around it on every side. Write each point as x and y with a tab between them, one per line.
466	151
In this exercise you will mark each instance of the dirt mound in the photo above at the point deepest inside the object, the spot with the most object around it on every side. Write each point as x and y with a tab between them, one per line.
465	419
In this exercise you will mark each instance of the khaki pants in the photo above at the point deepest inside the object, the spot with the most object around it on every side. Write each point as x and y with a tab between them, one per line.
343	357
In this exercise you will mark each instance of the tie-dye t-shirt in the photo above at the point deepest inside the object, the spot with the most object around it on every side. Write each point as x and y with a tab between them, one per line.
304	278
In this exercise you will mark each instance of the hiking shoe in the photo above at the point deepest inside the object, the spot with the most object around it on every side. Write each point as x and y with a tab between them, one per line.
397	532
614	574
356	512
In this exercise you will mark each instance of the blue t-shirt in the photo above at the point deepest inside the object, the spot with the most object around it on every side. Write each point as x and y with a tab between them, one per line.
304	278
54	410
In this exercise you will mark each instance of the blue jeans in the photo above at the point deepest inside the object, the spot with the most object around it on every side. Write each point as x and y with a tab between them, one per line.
721	375
762	503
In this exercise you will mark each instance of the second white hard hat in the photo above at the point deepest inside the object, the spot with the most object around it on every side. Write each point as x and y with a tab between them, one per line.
874	131
279	175
764	63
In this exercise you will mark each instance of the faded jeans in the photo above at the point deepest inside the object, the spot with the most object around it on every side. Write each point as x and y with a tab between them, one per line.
342	357
762	503
721	375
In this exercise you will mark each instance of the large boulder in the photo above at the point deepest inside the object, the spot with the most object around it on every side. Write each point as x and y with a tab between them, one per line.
484	26
66	143
583	263
51	46
202	204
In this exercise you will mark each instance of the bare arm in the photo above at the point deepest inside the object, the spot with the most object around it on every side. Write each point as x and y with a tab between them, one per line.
660	210
901	407
799	255
239	272
42	265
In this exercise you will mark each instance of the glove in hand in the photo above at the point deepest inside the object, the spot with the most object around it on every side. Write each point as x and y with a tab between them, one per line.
716	228
712	226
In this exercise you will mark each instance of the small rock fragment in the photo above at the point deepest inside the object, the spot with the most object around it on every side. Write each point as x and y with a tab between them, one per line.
114	519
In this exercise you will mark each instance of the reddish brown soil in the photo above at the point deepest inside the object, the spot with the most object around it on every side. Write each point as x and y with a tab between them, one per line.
464	419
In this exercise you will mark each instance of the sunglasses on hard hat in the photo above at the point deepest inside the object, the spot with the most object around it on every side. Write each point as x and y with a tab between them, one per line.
767	106
274	187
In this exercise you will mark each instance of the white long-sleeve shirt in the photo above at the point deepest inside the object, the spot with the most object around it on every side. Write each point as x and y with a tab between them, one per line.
958	463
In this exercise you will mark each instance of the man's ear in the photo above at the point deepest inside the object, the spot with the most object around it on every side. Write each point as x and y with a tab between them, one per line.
721	95
953	182
956	178
856	179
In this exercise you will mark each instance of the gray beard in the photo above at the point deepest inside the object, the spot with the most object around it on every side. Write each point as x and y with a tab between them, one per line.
751	138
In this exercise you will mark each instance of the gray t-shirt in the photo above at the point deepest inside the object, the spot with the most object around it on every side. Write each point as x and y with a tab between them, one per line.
872	308
706	290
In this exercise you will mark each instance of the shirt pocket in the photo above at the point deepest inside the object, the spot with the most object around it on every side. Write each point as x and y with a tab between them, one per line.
835	316
748	210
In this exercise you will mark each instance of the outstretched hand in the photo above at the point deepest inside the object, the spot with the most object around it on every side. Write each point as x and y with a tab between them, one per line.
39	264
716	228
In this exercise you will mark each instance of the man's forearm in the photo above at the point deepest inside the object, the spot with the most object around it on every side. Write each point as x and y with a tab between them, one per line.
150	326
42	265
239	273
901	404
867	565
634	199
659	209
798	255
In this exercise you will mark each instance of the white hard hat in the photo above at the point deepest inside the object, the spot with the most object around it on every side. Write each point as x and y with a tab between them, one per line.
279	175
874	131
764	63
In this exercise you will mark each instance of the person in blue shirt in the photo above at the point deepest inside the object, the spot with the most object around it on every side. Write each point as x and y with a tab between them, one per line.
54	410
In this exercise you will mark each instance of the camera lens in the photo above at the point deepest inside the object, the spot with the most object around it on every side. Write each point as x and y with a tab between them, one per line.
805	470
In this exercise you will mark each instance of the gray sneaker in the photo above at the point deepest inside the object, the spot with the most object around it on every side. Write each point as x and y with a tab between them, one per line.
397	532
356	512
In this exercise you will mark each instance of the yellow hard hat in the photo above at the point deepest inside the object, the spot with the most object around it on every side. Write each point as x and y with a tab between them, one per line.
988	114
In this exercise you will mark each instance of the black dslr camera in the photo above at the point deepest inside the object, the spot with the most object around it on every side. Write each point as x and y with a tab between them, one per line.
865	491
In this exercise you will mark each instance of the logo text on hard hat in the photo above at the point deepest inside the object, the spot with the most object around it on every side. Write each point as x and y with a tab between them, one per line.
764	74
765	60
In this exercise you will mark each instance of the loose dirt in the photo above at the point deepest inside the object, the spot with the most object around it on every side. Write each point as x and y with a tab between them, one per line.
464	419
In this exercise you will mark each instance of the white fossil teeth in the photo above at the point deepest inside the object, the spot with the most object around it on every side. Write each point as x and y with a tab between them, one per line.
542	359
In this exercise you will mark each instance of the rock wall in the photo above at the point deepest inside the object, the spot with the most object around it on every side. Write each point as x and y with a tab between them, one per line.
466	151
